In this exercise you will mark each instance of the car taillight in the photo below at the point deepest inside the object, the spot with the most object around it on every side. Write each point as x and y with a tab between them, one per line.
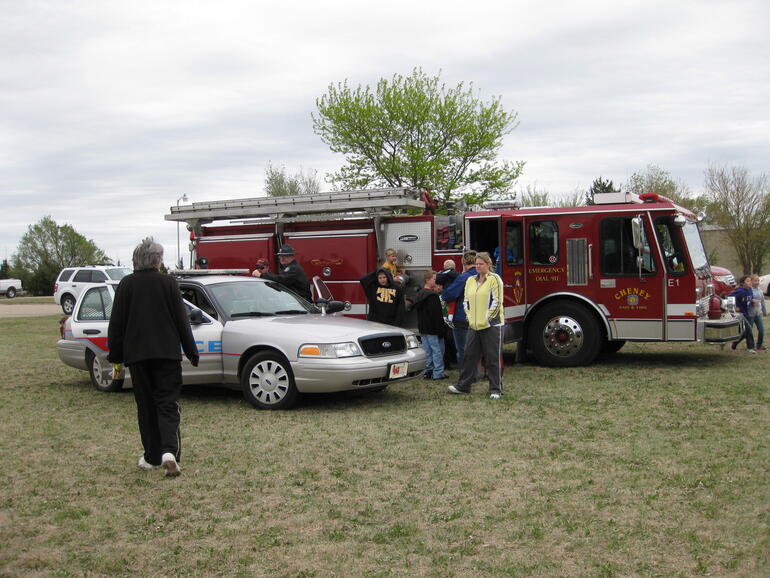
55	287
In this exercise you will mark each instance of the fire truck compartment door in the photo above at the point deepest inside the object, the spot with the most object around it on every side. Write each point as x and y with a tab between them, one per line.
236	251
338	257
413	241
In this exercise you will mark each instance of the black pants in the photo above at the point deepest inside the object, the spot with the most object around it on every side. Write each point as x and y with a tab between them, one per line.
486	344
157	384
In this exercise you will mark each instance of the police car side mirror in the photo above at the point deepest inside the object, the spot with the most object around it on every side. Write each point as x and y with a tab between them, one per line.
335	306
196	317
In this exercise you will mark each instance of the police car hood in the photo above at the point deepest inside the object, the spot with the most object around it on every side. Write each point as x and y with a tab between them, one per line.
326	328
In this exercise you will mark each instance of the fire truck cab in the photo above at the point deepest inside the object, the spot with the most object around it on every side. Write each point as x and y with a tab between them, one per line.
578	281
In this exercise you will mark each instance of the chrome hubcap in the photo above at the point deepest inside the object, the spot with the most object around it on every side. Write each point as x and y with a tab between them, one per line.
563	336
102	377
269	381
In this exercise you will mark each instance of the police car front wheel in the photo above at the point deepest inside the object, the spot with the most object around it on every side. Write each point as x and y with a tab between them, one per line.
267	381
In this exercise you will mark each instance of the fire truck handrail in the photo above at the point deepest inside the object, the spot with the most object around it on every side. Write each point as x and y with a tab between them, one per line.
370	201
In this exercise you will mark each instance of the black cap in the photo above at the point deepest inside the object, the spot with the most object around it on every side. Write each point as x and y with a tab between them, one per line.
285	250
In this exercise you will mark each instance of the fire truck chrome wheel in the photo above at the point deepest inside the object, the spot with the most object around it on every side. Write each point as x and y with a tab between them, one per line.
267	381
564	334
100	373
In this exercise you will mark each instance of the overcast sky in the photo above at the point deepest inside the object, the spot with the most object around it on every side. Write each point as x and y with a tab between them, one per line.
111	110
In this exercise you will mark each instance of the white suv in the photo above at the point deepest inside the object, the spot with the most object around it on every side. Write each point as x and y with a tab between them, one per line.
73	280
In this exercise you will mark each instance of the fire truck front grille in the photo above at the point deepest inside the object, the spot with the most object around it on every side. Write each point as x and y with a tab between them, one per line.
383	344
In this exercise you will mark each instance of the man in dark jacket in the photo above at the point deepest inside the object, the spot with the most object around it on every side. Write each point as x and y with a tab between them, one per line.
430	324
148	329
385	298
454	293
291	275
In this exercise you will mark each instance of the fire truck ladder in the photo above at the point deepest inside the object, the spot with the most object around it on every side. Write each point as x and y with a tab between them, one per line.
301	207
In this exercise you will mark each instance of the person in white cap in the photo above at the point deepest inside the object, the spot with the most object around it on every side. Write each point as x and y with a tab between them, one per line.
291	274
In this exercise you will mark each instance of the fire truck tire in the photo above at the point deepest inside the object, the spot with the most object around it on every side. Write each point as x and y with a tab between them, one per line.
267	381
610	347
564	334
100	374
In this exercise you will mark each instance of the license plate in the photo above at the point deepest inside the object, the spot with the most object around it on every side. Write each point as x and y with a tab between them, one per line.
398	370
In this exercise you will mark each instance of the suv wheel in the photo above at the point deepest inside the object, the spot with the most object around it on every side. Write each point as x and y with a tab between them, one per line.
68	304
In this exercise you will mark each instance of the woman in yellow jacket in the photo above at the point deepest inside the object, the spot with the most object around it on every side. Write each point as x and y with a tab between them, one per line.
483	304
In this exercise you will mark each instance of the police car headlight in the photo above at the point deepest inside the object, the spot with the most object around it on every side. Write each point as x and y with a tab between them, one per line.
412	342
329	350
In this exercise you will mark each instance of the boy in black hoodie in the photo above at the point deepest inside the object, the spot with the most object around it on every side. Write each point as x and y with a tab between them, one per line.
385	298
430	323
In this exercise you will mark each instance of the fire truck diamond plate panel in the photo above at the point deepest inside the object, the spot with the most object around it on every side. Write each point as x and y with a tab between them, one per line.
410	240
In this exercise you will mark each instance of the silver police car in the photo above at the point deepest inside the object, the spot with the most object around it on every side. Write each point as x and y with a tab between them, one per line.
257	336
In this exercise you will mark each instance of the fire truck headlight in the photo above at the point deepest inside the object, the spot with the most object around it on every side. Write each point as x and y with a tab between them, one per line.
329	350
412	342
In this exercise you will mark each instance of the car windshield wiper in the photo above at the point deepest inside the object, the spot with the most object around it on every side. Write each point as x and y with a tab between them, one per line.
252	314
291	312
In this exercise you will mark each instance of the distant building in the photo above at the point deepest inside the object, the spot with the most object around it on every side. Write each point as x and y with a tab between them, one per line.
717	242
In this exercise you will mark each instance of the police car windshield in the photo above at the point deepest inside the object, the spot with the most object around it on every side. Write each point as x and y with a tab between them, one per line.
255	299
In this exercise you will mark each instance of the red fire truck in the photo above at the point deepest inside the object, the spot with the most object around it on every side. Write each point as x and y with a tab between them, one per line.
579	281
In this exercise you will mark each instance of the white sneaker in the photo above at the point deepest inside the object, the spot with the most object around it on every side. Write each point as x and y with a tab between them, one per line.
145	465
456	390
751	351
169	464
494	396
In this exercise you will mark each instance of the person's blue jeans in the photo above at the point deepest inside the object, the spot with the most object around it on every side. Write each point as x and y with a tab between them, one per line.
759	321
461	338
433	345
748	332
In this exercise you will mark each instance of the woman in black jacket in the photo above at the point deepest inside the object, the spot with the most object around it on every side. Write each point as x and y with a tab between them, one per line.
148	330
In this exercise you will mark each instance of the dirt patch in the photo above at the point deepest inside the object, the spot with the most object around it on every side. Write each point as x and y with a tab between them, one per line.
29	310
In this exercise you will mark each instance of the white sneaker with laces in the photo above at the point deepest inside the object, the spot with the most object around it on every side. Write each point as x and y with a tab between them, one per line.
751	351
145	465
169	464
494	396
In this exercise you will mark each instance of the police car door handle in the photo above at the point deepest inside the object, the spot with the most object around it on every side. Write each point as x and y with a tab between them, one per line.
91	331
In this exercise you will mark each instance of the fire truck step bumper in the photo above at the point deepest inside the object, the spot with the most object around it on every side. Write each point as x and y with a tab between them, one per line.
720	331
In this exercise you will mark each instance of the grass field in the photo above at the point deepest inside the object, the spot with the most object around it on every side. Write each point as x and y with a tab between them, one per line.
653	463
26	300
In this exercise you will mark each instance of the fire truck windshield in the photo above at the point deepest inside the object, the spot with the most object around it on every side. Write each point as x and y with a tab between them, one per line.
695	246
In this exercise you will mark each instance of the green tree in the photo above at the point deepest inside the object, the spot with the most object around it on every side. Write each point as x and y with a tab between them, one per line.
656	180
46	248
280	184
741	204
5	269
599	186
416	132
